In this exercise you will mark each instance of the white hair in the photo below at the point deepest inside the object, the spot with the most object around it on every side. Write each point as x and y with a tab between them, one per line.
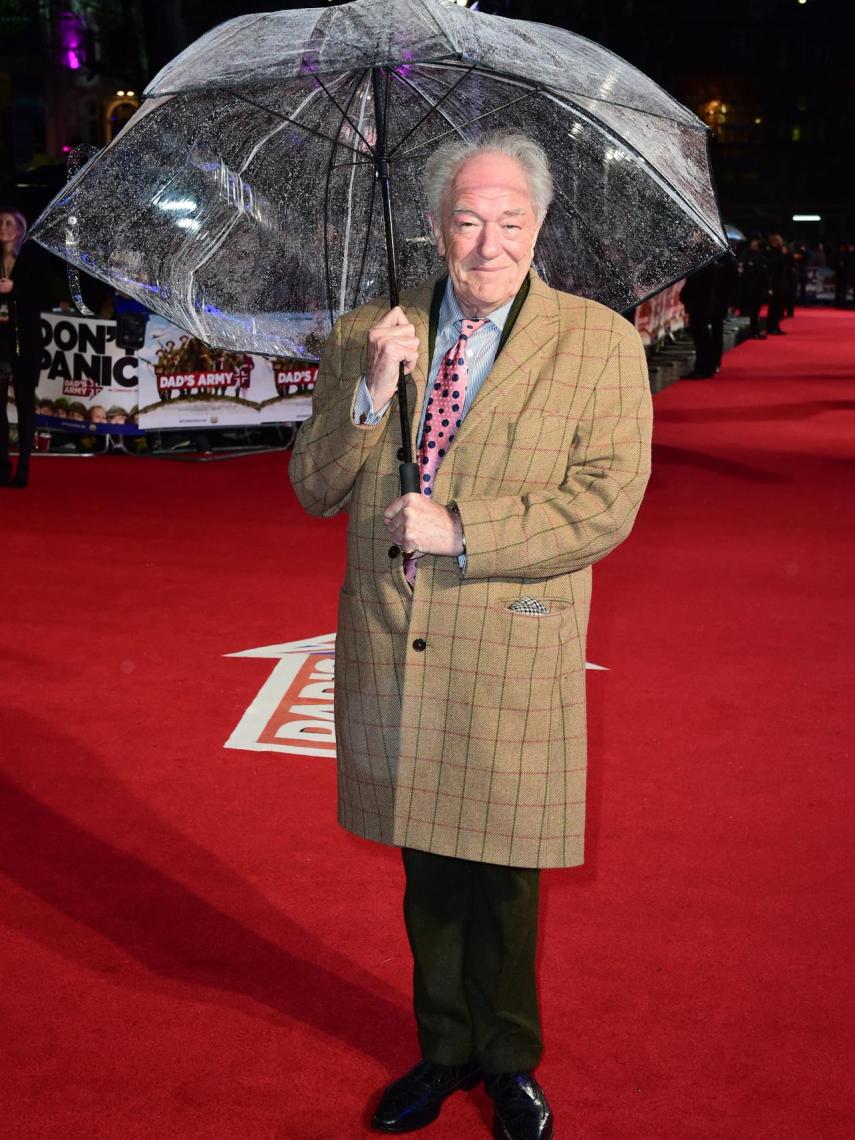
442	167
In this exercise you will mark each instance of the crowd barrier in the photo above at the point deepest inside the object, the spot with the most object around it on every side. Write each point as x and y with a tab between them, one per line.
90	385
819	283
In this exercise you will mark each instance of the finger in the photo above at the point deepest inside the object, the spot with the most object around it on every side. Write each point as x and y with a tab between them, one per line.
400	337
395	316
398	505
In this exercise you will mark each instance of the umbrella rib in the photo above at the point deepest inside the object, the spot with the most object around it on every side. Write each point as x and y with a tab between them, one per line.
346	254
563	92
327	267
296	123
364	257
653	172
431	107
344	114
469	122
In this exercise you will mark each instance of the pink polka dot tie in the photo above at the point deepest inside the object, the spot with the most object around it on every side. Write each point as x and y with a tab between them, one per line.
444	414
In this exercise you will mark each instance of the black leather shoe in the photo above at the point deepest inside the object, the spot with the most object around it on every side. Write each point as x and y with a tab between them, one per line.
522	1112
416	1098
19	479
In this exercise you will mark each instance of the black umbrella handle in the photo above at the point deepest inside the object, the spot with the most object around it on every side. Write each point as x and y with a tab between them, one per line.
409	473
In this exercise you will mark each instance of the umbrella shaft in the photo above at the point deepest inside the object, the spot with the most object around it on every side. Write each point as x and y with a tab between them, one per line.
408	470
381	163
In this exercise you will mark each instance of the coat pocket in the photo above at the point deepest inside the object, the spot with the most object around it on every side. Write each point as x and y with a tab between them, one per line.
529	629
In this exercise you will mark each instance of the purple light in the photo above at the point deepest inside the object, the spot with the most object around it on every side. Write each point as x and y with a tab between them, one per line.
72	33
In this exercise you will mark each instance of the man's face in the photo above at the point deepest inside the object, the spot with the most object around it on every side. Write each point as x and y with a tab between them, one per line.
97	414
488	232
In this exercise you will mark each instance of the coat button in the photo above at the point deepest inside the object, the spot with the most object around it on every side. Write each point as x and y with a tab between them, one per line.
420	645
400	454
394	551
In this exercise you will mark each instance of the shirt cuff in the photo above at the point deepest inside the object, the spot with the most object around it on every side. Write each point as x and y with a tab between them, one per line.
364	413
461	558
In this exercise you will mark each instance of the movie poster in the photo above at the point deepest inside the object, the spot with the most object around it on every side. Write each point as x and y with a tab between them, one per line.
661	315
184	383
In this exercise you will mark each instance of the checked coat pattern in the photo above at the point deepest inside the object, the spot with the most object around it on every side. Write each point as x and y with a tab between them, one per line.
460	721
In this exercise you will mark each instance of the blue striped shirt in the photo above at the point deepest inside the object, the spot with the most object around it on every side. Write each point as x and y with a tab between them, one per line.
480	356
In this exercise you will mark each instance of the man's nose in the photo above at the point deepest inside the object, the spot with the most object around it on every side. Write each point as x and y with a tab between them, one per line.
490	244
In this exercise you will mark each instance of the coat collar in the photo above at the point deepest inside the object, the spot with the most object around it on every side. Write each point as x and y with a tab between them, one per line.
536	327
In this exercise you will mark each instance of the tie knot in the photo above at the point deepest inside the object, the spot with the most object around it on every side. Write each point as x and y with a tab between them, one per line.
467	326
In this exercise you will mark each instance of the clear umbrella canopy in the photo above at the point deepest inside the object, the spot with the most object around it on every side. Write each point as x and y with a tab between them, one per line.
241	200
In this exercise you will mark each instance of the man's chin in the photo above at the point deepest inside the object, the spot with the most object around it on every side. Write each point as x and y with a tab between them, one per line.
485	293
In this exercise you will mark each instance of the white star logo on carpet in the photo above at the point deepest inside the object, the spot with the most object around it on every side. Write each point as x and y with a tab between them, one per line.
293	710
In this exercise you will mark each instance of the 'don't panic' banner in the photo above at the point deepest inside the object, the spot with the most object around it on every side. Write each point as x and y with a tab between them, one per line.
87	383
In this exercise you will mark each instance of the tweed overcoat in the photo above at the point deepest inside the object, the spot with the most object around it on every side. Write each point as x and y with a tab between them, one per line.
460	722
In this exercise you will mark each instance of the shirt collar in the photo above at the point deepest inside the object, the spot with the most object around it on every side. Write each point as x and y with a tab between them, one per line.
450	311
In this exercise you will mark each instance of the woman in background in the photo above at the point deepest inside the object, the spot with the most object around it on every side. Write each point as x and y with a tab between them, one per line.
21	287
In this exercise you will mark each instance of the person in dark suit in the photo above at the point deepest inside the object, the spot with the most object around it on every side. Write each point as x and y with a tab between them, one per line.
21	287
779	279
753	285
707	297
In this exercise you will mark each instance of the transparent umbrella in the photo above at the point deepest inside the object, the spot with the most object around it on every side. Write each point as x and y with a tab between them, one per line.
252	198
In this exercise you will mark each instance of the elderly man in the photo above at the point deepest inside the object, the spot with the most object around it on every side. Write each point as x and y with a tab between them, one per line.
460	703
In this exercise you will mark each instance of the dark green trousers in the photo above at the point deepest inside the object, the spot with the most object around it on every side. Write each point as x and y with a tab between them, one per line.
473	933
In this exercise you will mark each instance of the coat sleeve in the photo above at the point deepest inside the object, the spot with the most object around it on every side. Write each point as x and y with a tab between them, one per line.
550	532
330	448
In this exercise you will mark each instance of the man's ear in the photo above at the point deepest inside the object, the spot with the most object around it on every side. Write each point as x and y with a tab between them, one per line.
436	230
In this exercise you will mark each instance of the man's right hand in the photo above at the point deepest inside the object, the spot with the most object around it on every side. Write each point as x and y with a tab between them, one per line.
392	340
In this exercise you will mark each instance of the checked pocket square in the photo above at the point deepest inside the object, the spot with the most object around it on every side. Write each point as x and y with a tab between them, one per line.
528	605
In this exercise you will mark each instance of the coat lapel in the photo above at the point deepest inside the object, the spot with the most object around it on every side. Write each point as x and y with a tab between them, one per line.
535	329
417	308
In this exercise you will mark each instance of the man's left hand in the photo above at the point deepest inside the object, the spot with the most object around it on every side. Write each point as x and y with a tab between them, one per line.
420	526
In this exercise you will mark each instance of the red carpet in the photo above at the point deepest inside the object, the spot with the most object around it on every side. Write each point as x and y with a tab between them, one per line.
192	950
